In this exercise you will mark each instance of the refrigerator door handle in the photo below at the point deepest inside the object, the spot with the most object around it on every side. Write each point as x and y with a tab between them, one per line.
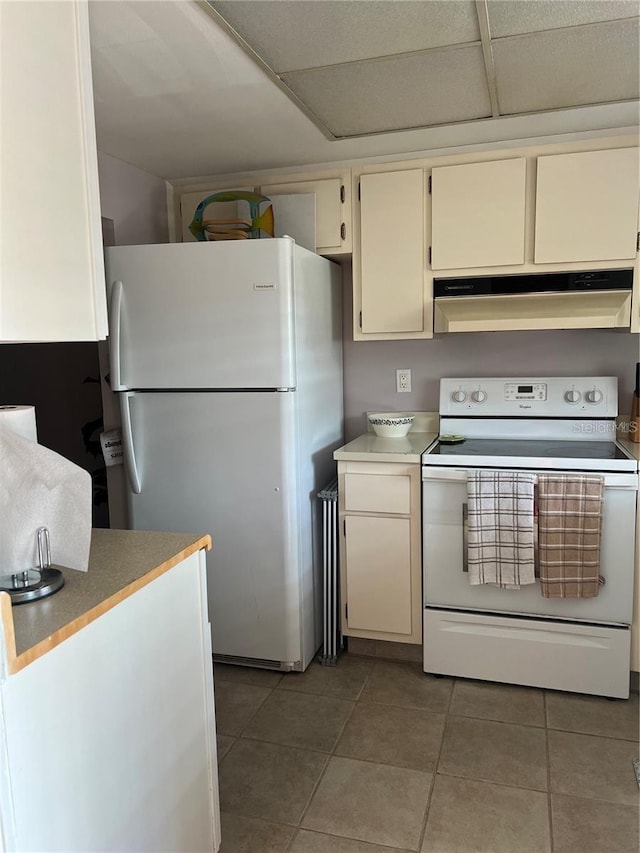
127	441
115	311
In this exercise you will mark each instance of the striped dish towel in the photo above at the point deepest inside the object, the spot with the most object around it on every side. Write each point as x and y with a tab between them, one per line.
500	528
569	527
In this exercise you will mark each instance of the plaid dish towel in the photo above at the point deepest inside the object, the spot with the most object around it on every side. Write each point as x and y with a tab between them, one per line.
500	528
569	527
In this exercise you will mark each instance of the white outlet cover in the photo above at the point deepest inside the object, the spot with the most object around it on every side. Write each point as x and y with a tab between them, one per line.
403	379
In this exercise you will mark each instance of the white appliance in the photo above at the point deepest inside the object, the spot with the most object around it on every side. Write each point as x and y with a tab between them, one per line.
485	632
229	359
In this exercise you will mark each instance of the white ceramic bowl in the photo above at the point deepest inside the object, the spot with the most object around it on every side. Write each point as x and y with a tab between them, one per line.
390	424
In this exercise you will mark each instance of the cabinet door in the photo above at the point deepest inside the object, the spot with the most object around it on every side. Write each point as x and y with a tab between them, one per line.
378	561
331	225
478	212
587	206
392	251
52	271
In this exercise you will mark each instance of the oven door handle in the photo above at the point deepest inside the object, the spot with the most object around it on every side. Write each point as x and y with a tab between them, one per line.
626	481
465	536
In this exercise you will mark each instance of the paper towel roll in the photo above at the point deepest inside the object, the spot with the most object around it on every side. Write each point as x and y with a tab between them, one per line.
19	419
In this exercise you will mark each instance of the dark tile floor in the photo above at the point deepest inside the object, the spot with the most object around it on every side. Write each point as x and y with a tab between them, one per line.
375	756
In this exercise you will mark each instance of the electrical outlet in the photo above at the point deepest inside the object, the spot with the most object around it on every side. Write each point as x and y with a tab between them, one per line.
403	379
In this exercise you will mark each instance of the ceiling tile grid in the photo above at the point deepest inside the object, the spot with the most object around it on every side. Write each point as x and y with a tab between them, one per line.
571	67
411	90
363	67
293	35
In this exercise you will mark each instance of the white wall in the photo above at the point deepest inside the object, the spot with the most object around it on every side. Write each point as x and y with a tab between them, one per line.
370	366
135	200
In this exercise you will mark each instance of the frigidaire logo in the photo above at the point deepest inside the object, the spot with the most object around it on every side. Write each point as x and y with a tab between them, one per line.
521	406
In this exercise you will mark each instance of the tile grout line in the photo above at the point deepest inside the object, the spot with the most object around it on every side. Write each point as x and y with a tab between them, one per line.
423	831
548	759
330	754
299	826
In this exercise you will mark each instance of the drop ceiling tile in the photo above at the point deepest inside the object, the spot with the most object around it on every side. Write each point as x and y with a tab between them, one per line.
290	35
507	18
566	68
397	93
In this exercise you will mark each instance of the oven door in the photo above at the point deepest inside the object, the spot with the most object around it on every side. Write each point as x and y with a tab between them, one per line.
446	583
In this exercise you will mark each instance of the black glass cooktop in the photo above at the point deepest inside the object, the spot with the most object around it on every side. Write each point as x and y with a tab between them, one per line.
531	448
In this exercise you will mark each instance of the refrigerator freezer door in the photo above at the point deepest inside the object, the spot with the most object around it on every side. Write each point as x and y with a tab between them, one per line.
202	315
223	463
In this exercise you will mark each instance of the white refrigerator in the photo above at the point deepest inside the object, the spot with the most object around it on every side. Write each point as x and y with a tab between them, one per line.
228	360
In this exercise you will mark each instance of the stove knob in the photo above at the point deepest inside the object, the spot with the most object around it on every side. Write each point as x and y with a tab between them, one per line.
593	396
459	396
572	396
479	396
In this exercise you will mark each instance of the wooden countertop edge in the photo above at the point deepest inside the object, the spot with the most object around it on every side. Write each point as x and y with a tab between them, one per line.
17	662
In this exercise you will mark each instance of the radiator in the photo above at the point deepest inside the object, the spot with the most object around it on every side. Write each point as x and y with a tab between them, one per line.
331	637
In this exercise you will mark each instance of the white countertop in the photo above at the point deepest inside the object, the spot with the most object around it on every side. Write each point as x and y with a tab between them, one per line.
371	448
632	448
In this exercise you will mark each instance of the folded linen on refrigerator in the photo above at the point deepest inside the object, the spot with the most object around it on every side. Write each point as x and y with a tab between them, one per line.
569	533
500	548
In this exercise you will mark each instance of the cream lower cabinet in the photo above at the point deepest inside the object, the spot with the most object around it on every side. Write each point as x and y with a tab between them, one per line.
380	564
51	270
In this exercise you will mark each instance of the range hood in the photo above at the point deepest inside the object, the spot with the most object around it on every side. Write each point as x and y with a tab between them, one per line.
571	300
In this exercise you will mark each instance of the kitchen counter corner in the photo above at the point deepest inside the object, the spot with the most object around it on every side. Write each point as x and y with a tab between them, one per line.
371	448
120	563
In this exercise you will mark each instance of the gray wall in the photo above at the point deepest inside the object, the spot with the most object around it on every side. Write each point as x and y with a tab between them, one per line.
370	366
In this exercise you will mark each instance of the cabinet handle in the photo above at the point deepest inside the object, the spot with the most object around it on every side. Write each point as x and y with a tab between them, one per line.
342	193
343	231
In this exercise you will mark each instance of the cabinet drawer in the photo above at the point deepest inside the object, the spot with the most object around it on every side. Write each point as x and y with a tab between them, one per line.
377	493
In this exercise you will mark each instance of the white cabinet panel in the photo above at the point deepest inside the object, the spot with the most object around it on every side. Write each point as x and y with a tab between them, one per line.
331	222
51	271
380	563
392	251
377	493
478	214
587	206
112	732
379	574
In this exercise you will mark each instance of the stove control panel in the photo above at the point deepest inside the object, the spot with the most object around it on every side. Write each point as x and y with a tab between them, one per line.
519	391
553	397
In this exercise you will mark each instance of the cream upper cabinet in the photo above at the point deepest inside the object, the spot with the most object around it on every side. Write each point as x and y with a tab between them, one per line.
333	210
390	297
478	214
51	269
380	563
587	206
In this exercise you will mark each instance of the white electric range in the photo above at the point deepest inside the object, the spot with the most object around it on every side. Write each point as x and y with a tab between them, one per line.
533	424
